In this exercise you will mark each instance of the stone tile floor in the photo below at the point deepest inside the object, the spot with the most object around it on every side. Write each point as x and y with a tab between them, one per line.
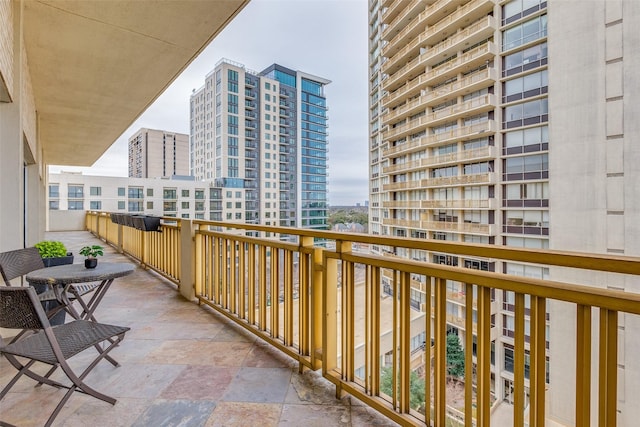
182	365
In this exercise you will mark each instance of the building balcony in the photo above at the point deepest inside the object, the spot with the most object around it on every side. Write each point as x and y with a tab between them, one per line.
460	204
402	204
397	107
401	222
415	55
181	363
400	14
459	227
399	186
469	108
457	180
464	132
478	154
420	80
258	296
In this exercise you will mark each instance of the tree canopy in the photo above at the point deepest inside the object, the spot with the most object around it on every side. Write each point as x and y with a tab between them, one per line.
455	356
416	386
343	216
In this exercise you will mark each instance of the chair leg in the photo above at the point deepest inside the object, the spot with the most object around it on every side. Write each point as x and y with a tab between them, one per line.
25	370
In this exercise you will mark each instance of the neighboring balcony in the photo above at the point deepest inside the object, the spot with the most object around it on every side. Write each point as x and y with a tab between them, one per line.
476	130
468	108
318	298
476	154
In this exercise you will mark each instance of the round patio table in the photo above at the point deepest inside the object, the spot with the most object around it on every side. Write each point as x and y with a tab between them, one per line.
60	279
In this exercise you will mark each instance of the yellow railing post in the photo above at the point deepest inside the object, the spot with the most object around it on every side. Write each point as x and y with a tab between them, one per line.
608	369
315	290
583	366
330	315
440	353
187	268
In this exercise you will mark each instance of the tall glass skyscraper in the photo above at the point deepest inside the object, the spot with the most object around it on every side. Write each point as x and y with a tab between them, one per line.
262	137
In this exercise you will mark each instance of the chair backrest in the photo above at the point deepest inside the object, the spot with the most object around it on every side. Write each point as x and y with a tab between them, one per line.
21	309
19	262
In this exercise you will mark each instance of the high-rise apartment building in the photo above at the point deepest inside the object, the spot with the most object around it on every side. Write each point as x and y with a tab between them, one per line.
485	127
262	137
158	154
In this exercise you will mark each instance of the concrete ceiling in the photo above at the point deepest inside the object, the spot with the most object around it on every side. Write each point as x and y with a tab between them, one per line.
96	65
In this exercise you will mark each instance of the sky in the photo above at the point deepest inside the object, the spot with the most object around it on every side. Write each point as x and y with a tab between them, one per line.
326	38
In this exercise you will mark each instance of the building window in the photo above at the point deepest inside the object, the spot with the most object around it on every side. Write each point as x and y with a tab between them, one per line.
185	193
528	167
527	86
169	206
524	33
169	193
76	205
149	192
149	205
75	191
199	206
121	204
517	9
185	215
136	193
54	191
526	59
54	205
121	192
136	206
526	141
527	113
199	194
95	191
95	204
185	205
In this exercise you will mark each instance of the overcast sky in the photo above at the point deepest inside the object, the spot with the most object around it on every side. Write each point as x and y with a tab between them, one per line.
327	38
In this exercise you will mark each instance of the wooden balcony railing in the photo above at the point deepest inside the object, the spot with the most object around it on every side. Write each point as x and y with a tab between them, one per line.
316	297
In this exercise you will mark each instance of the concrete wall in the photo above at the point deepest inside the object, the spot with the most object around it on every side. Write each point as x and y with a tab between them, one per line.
66	220
22	178
594	159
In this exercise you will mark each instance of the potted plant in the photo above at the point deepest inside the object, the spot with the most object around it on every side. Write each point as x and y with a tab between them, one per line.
54	253
91	252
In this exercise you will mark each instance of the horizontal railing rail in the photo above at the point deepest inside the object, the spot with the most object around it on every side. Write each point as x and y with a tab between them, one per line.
323	300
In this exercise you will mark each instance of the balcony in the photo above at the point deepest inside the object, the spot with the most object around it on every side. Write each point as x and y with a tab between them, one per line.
460	204
471	83
459	227
419	79
471	107
477	154
424	142
412	55
182	359
448	181
328	316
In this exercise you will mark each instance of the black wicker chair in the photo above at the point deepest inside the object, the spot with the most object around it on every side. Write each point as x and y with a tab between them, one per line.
19	262
20	308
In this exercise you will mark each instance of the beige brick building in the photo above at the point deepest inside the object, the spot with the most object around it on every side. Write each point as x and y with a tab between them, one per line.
158	154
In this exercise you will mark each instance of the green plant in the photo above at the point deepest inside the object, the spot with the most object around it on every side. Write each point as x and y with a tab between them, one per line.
416	386
51	249
92	251
455	356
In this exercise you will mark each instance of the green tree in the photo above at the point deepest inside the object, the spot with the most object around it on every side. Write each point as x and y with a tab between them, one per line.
455	356
416	386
